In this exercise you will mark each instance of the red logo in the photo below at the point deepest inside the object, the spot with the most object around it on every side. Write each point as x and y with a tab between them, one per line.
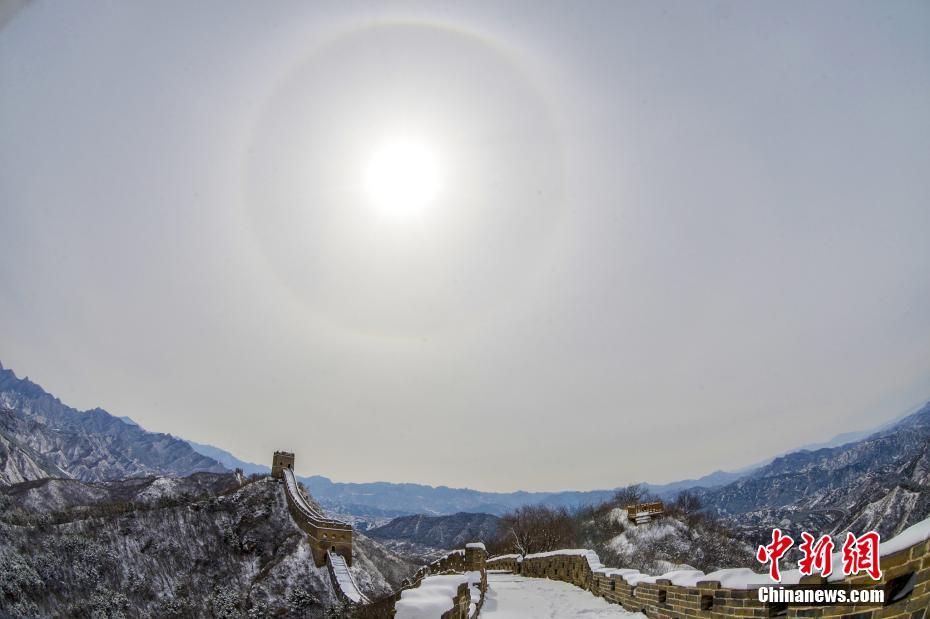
817	556
861	553
774	551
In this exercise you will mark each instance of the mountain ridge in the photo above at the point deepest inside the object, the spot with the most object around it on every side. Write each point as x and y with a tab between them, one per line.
210	544
446	532
878	483
367	499
380	499
42	437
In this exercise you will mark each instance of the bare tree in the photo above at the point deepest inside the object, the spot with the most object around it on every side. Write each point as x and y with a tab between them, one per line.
630	495
687	502
536	528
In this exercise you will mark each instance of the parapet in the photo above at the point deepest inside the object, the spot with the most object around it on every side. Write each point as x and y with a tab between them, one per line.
733	592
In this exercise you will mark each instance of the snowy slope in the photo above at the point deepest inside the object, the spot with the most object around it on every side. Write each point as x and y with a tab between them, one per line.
196	546
514	597
881	482
674	541
42	437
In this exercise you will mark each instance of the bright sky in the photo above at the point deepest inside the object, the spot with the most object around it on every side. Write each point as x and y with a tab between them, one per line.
502	245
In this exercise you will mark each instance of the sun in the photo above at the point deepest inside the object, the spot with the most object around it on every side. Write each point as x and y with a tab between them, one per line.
402	177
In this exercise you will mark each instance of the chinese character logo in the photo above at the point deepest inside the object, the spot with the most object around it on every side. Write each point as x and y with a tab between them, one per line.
861	553
774	551
817	555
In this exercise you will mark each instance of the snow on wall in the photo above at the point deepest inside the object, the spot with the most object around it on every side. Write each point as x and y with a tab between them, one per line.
594	562
431	599
731	578
425	603
688	592
436	595
305	507
344	578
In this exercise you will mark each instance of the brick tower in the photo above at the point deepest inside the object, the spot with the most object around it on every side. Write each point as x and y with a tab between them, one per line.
282	460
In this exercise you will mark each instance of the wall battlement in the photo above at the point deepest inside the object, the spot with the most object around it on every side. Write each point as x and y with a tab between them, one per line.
905	579
472	558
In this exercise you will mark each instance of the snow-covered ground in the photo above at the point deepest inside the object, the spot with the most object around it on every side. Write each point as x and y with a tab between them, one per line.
511	597
435	594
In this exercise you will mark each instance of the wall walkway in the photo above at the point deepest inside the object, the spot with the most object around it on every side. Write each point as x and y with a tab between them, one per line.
327	535
905	563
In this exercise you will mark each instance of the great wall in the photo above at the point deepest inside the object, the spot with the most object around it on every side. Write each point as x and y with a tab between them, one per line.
904	561
330	539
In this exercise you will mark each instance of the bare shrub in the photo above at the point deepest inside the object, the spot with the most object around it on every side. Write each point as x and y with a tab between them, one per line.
535	528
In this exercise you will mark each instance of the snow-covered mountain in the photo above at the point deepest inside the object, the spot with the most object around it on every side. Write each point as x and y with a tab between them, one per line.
379	502
447	532
228	460
41	437
881	482
425	538
382	501
379	499
206	545
878	482
375	503
679	539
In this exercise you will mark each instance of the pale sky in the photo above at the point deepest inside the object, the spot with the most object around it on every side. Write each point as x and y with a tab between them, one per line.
611	242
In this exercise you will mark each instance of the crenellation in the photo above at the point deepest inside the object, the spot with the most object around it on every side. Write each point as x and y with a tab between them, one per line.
457	561
708	599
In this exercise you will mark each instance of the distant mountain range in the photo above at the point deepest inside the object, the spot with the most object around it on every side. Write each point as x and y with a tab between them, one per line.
448	532
374	502
425	538
881	482
381	500
228	460
41	437
856	480
378	500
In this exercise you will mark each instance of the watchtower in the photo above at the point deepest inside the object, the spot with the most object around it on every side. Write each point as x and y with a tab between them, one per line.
641	513
326	534
281	460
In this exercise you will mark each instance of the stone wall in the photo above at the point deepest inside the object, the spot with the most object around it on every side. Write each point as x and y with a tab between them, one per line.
460	604
505	563
325	534
476	557
456	562
280	461
322	538
906	572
